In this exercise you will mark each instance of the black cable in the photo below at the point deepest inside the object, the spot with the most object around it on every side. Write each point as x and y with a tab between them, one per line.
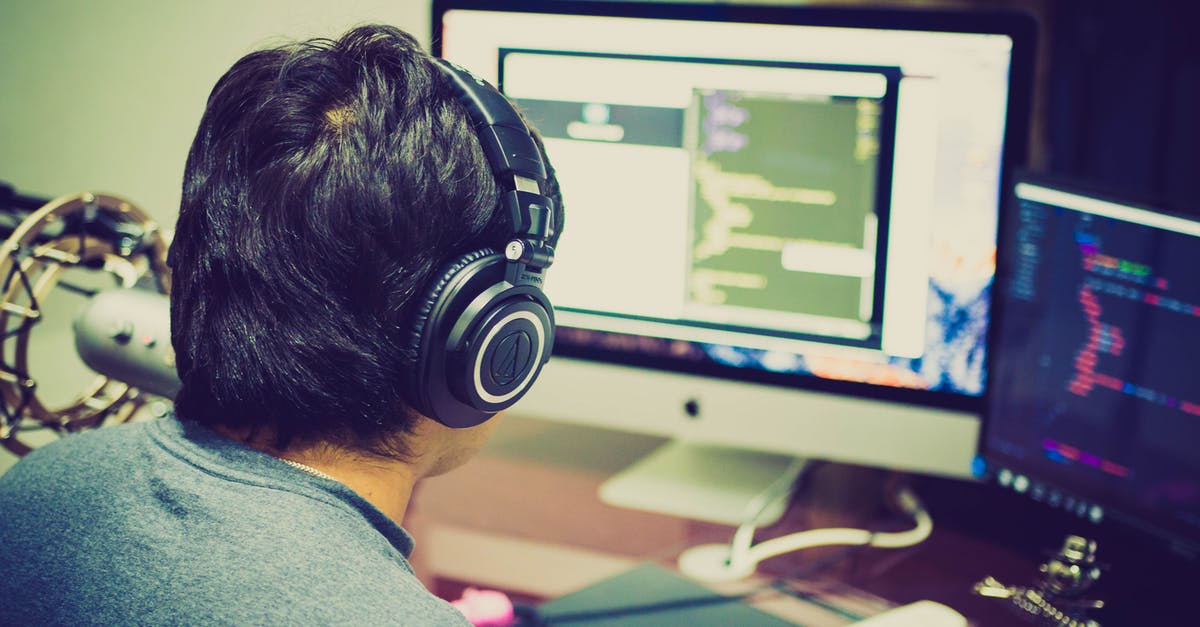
77	289
530	616
10	200
630	610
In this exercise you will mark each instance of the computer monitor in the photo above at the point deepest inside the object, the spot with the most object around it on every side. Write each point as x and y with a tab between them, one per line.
781	221
1094	406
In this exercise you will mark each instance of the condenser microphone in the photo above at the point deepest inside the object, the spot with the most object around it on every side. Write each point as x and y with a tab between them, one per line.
125	334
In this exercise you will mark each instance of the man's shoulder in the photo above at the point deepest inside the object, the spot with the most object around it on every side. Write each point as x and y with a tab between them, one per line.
109	439
248	594
62	461
291	584
151	535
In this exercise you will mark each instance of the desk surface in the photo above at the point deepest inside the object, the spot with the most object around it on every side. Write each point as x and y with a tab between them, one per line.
524	517
649	596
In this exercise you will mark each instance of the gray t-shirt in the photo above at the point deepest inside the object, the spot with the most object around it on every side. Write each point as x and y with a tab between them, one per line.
167	523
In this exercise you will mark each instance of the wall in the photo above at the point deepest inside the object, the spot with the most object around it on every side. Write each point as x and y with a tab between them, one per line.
1123	97
106	96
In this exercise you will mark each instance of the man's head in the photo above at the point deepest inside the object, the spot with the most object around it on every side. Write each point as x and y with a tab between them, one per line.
328	181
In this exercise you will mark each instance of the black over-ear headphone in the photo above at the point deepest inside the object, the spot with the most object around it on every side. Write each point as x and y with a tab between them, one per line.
484	328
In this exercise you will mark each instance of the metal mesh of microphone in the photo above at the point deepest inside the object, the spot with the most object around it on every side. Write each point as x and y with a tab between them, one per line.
77	244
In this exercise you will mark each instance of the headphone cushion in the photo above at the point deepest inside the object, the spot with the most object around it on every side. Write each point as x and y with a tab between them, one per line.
417	330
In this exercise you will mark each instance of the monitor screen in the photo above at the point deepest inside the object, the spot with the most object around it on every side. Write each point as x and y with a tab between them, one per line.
795	206
1094	406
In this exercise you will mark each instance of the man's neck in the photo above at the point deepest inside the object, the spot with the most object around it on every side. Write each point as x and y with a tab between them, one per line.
385	483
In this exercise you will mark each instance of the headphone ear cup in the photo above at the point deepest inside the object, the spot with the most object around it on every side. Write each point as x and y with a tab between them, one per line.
503	353
437	287
480	341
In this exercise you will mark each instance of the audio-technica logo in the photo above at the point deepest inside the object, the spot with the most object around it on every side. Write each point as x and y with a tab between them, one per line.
511	359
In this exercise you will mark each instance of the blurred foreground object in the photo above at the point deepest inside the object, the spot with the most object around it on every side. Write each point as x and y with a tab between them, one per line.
1056	598
71	247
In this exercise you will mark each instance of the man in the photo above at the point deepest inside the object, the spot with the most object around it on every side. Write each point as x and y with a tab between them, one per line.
328	183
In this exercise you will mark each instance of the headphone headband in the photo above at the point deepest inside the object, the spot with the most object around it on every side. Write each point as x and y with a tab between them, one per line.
516	163
505	138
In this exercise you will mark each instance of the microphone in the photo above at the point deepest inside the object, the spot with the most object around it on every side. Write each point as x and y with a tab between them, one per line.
125	334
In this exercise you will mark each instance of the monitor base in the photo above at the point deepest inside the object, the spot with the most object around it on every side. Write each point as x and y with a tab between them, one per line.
705	482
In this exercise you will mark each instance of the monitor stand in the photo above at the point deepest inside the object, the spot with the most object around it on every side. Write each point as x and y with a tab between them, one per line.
706	482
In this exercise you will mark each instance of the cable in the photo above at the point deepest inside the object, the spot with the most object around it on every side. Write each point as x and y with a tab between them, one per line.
531	617
740	558
749	554
825	537
634	610
780	488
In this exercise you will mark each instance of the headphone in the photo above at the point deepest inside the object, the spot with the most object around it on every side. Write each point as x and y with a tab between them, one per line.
484	328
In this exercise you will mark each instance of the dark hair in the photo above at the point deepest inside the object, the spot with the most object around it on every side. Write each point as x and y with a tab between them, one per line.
328	180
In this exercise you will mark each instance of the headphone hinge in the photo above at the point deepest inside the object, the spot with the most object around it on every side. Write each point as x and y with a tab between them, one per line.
526	261
530	215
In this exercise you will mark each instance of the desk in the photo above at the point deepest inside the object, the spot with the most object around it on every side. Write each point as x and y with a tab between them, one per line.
524	517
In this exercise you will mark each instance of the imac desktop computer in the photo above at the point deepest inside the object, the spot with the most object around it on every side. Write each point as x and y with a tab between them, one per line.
780	227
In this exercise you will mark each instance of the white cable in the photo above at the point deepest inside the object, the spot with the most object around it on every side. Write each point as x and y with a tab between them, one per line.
842	536
743	538
742	557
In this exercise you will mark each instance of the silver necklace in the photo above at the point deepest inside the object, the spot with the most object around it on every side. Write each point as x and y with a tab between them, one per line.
306	469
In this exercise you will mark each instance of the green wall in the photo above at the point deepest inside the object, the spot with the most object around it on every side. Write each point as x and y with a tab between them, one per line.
106	96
